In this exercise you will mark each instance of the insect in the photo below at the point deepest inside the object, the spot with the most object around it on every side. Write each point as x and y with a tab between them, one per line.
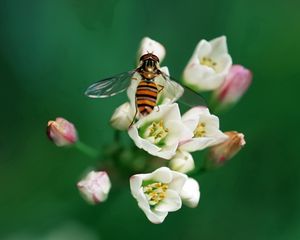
148	89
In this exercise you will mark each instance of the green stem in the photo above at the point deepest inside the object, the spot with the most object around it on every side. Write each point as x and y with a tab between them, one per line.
213	104
82	147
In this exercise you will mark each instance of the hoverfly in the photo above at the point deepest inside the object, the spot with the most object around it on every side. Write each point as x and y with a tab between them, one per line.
148	89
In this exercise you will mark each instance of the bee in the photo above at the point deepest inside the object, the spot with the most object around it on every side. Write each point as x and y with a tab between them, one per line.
148	88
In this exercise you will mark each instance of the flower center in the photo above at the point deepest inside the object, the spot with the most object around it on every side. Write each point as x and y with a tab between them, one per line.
208	62
156	132
200	130
155	192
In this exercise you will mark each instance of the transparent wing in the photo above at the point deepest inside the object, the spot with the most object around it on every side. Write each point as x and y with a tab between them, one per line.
110	86
184	94
192	98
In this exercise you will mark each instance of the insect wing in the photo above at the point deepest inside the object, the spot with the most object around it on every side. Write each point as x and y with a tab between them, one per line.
183	93
191	98
110	86
170	91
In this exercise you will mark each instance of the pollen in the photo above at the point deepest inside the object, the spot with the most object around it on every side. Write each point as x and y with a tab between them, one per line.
200	130
155	192
208	62
156	132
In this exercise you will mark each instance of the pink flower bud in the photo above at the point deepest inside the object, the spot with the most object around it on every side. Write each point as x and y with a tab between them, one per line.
95	187
61	132
224	151
235	85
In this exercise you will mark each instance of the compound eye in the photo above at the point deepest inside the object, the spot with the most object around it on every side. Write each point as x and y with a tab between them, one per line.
155	58
143	57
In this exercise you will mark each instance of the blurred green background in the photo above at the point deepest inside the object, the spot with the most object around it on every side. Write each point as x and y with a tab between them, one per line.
51	50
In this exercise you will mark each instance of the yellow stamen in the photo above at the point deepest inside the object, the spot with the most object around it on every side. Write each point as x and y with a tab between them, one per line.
155	192
208	62
200	130
156	132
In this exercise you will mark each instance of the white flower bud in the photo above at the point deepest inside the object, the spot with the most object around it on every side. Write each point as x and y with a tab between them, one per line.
148	45
182	162
190	193
95	187
122	117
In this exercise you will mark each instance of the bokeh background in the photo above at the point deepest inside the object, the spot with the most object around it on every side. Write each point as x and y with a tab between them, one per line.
51	50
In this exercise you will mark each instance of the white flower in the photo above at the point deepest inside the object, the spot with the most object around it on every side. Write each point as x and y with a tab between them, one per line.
95	187
122	117
190	193
205	128
160	132
208	65
157	193
169	91
182	162
148	45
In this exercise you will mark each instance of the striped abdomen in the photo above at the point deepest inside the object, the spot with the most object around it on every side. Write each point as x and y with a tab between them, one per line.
146	95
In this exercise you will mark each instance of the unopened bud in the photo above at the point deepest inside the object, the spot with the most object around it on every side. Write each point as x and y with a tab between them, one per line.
190	193
222	152
235	85
182	162
148	45
61	132
95	187
122	117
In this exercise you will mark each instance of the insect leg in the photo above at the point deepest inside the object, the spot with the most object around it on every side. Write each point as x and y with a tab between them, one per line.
161	88
134	117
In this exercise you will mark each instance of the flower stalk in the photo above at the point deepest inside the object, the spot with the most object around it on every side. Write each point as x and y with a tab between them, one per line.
86	149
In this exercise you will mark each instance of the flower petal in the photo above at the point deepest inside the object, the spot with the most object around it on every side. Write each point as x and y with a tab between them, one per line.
122	117
162	174
197	144
177	181
190	193
171	203
153	216
182	162
149	45
219	45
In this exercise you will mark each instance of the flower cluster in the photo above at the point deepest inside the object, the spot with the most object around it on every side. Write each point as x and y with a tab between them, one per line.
170	136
